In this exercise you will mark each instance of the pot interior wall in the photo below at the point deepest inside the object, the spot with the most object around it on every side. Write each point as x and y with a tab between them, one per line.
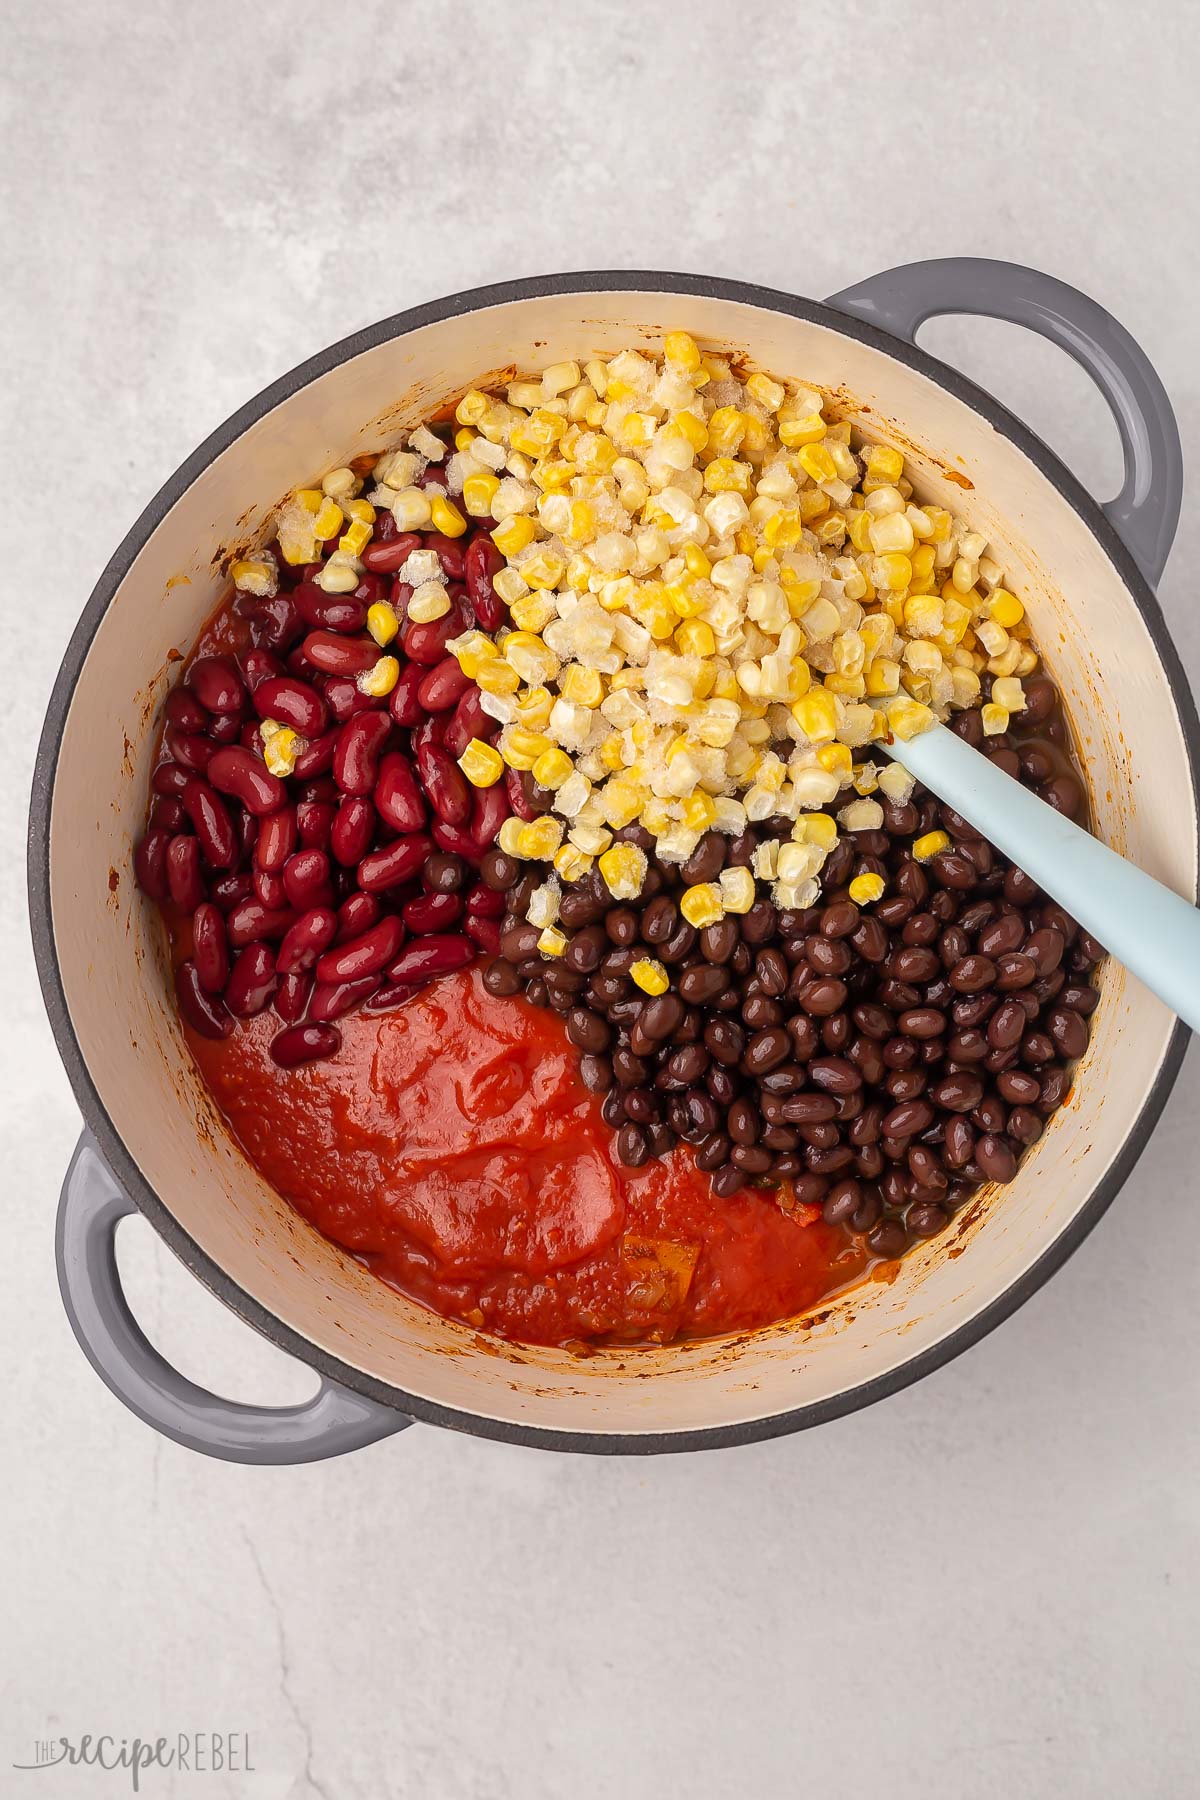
113	966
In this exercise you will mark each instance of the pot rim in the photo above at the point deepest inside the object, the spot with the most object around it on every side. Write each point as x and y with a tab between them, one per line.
92	1106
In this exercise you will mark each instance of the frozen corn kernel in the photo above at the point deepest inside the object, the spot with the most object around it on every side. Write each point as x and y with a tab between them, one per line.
340	484
327	521
552	768
861	815
1005	609
897	783
382	622
624	869
257	575
481	763
737	890
552	942
540	838
1009	694
650	975
932	844
445	516
338	576
542	909
411	509
864	890
429	602
702	904
994	719
381	678
571	863
907	718
282	748
355	538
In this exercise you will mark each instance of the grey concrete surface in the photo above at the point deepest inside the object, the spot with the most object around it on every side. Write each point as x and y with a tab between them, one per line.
984	1587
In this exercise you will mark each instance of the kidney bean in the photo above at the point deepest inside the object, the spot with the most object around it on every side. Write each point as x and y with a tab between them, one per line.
365	955
217	684
485	902
251	981
211	821
229	890
397	796
353	830
393	864
182	710
484	932
169	778
430	913
292	996
308	938
443	686
334	999
403	704
388	999
518	800
259	665
150	864
276	623
185	883
250	919
306	879
426	644
276	839
489	809
237	771
430	956
335	655
293	702
310	1042
481	564
314	823
189	749
385	556
446	786
356	753
345	698
205	1013
167	814
469	721
269	888
329	612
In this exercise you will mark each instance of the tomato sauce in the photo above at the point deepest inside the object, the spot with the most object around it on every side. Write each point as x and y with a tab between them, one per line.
452	1147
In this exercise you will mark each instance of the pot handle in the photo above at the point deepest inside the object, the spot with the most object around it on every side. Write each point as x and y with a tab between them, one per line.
90	1209
1146	511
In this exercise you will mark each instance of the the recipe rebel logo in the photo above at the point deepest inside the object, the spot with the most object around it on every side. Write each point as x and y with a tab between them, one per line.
190	1752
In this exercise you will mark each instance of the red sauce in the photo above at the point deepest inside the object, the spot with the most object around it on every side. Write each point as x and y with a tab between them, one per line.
452	1147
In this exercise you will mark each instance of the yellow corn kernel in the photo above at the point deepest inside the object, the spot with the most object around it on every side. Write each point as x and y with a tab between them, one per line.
552	941
697	563
782	530
464	437
281	749
521	747
754	437
382	622
699	811
612	752
1009	694
534	612
893	570
362	511
472	649
478	494
884	464
430	602
514	534
534	707
768	393
807	428
558	377
473	406
932	844
816	713
327	521
680	348
255	575
445	515
691	427
737	890
702	905
544	569
725	476
541	838
510	585
530	656
311	499
1005	608
835	759
497	677
411	509
726	430
509	835
816	462
622	799
994	719
381	678
481	764
552	768
865	889
355	539
624	869
883	678
582	685
906	718
695	638
340	484
820	829
648	973
572	864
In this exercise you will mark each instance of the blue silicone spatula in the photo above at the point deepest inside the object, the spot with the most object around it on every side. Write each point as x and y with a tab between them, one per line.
1146	926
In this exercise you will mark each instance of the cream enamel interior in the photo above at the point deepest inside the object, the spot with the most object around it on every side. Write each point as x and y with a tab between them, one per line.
113	969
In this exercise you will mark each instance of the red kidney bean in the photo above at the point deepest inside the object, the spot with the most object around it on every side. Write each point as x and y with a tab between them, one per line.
314	823
276	839
292	996
357	750
445	784
469	721
217	684
356	915
317	758
397	797
403	703
433	476
427	643
392	554
450	553
485	933
431	730
189	749
150	864
251	982
276	623
260	665
311	1042
211	821
182	710
231	890
432	912
518	800
443	686
387	999
393	864
306	879
333	999
237	771
365	955
270	889
307	939
372	588
249	737
184	880
455	841
205	1013
485	903
292	702
430	956
228	728
353	829
329	612
210	948
482	563
346	698
489	809
167	814
169	778
339	655
250	919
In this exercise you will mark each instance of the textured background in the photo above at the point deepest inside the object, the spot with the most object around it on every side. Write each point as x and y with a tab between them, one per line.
984	1586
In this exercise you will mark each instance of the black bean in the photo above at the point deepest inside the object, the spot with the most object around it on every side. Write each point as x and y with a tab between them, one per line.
766	1050
718	942
907	1119
588	1031
501	978
958	1092
742	1122
759	924
702	982
632	1147
622	925
842	1201
752	1159
1006	1025
925	1218
995	1157
706	861
596	1073
1068	1031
